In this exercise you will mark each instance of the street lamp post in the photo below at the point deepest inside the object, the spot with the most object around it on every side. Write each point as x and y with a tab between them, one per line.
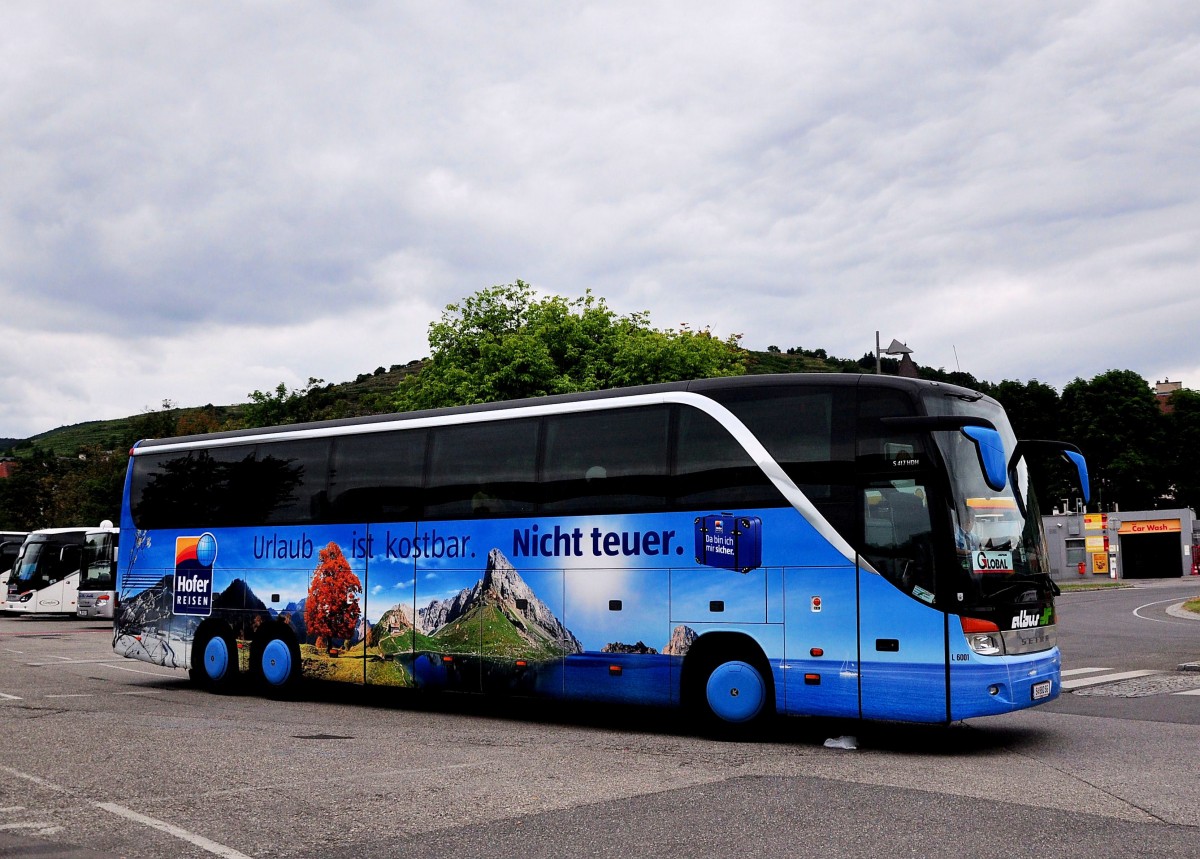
894	348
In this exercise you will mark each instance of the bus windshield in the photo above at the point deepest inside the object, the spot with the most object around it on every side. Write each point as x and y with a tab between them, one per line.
44	561
998	535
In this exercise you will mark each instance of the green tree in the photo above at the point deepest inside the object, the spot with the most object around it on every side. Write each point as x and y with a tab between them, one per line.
89	489
27	498
155	423
1035	410
282	406
1116	421
505	343
1183	447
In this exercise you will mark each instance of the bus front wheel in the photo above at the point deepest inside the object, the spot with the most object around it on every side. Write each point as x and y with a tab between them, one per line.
735	692
728	688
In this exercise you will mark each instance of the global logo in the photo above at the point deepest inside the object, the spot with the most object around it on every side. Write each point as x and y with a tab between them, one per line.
194	560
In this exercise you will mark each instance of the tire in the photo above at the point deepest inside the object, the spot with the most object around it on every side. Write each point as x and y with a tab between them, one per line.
275	661
732	698
215	661
735	693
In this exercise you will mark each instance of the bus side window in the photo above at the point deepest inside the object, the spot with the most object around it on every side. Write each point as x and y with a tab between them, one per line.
711	468
606	461
377	477
485	469
295	472
897	535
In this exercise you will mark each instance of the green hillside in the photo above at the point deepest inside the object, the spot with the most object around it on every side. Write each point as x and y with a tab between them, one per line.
370	393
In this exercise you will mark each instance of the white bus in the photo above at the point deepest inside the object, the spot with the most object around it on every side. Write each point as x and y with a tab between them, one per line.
98	575
45	578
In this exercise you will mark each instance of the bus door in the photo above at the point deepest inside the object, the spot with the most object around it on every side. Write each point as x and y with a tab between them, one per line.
902	635
821	646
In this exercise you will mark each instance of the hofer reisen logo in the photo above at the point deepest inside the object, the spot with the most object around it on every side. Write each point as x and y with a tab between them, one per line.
194	559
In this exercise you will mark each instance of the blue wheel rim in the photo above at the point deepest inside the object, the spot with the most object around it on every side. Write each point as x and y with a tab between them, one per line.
276	662
216	658
736	692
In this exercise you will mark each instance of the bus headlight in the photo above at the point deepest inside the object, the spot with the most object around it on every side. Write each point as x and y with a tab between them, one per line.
983	636
986	644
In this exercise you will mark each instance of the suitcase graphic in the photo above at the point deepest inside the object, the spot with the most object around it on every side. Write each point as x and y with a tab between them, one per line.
729	541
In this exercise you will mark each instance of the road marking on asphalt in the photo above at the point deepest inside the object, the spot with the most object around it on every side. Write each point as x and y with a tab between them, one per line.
1189	692
72	695
1073	671
41	782
1106	678
137	671
169	828
65	661
11	697
127	813
43	827
11	808
1139	616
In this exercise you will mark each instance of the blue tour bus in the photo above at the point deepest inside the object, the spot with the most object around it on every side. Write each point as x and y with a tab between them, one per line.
836	545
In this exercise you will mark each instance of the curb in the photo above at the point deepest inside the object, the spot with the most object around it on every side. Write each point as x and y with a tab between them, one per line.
1177	610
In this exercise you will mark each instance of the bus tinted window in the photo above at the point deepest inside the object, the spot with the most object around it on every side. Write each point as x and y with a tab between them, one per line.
487	469
606	461
803	428
298	469
178	490
218	487
377	477
882	448
711	468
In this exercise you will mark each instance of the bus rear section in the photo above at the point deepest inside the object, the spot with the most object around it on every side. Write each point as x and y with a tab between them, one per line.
45	578
98	574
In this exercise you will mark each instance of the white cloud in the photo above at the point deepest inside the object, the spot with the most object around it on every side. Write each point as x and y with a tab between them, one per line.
206	201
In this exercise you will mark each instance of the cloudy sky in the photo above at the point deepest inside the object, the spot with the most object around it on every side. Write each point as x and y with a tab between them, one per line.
203	199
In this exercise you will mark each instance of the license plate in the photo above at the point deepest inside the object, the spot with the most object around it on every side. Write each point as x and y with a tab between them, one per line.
1042	690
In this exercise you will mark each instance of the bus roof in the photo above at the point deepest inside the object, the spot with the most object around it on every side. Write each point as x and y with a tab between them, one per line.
696	386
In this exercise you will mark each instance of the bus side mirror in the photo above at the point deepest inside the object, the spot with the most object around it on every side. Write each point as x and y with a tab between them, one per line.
992	461
1081	470
1068	451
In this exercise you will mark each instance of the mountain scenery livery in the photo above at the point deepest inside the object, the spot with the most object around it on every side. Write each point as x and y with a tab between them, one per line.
496	632
741	547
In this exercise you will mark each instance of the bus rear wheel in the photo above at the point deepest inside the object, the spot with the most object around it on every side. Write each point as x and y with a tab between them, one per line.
214	660
275	660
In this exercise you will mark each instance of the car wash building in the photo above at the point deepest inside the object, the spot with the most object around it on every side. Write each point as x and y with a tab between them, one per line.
1143	544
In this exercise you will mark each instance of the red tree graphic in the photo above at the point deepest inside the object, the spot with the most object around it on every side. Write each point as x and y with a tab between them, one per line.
331	610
